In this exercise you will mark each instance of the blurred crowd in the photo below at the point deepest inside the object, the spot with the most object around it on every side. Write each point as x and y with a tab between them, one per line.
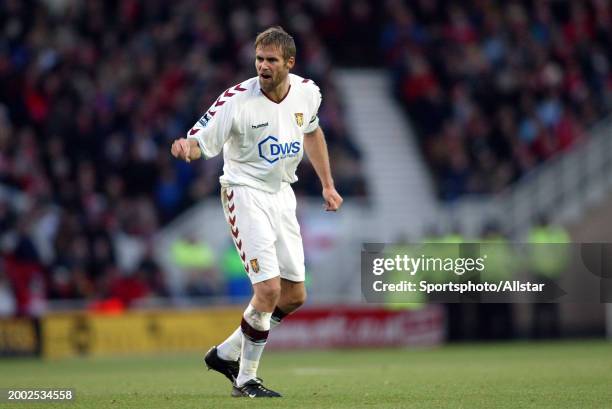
91	94
495	88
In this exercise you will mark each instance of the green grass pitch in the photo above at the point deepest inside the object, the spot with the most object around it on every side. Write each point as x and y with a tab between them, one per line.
472	376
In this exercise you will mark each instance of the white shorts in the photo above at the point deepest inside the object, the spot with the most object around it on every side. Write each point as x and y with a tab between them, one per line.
266	232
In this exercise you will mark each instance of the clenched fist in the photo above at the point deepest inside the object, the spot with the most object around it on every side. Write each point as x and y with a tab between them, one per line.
184	149
332	198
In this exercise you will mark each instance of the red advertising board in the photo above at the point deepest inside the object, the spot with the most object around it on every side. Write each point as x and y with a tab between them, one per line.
357	327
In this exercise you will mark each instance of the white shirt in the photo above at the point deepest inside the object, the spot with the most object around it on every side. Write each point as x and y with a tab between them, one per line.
262	140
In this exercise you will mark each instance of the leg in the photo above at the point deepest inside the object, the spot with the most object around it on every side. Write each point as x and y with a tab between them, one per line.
246	211
249	338
256	326
252	218
292	297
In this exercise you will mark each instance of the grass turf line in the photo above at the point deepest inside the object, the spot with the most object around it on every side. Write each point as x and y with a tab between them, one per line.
513	375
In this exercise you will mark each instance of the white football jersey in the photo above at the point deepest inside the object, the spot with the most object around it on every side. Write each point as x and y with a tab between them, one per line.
262	140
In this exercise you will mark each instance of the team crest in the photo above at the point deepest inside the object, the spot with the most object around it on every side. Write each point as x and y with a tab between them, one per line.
299	118
254	265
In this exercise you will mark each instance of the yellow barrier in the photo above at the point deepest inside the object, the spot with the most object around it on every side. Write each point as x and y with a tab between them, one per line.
72	334
17	336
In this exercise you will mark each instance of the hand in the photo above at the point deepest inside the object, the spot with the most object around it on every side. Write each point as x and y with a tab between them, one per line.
180	149
333	200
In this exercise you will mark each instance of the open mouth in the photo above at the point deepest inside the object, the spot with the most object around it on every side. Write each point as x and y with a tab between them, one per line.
265	76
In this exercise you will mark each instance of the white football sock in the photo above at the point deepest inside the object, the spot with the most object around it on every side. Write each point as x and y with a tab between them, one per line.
230	348
255	327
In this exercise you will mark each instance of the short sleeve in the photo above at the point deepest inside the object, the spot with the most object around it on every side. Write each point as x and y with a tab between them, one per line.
313	121
212	130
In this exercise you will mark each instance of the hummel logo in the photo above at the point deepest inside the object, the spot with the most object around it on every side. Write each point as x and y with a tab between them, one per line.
259	126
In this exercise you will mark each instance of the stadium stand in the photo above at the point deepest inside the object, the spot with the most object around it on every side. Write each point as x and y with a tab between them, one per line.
496	88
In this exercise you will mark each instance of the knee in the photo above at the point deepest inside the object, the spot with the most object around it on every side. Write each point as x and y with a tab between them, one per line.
268	291
295	300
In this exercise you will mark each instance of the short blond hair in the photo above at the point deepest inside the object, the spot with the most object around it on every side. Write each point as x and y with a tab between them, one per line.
279	38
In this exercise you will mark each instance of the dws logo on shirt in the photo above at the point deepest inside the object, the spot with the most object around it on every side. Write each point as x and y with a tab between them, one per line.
271	150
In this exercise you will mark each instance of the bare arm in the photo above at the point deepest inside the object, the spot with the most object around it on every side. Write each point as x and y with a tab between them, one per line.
186	149
316	149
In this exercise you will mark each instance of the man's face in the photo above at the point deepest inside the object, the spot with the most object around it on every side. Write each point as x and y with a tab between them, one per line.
271	67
